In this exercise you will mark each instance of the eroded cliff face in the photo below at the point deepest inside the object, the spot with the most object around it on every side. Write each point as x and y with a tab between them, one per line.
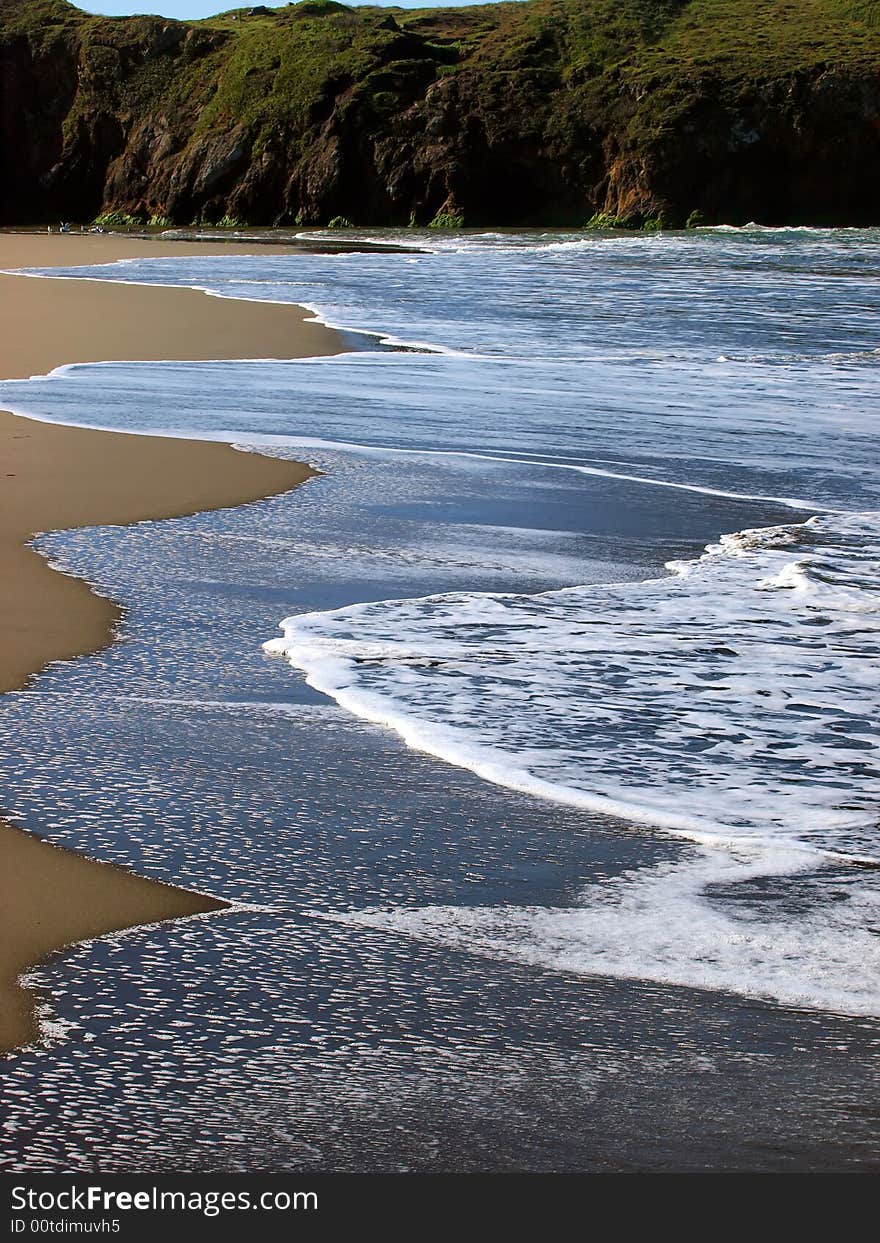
803	149
549	112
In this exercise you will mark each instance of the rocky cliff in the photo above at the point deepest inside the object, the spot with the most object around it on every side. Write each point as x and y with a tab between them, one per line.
638	112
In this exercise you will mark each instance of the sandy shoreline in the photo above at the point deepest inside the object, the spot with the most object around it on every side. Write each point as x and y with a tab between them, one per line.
56	477
50	898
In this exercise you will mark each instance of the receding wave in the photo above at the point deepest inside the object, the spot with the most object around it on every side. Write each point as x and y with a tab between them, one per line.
734	701
733	704
642	394
679	924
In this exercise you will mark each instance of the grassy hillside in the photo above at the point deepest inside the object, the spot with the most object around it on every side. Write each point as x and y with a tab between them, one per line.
546	111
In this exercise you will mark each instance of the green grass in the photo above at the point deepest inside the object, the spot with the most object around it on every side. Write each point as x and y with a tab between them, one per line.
449	219
283	67
538	75
120	219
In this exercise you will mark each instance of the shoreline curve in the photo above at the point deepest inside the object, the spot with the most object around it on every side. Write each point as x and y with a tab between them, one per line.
56	477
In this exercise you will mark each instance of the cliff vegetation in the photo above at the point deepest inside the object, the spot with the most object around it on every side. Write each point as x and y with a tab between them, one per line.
618	113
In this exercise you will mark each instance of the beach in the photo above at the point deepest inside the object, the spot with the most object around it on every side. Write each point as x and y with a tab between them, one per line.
530	741
58	477
50	898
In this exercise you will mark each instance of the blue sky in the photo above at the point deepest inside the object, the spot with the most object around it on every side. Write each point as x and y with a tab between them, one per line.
206	8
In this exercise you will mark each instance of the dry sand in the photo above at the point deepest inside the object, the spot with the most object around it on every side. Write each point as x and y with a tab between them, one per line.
44	324
56	477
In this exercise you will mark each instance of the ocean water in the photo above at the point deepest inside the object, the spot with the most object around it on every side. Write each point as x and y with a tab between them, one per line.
576	682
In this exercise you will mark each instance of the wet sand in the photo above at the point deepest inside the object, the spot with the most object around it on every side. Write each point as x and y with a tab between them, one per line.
51	897
56	477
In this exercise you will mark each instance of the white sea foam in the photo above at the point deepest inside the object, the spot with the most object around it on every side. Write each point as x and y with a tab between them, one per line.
735	700
670	924
732	703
